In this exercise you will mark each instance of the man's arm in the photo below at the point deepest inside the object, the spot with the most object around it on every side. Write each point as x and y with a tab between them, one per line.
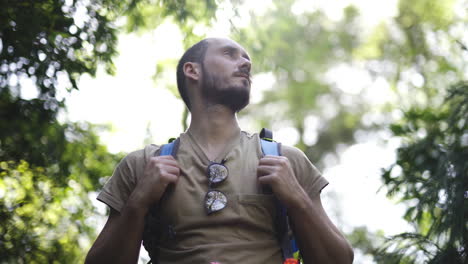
319	239
120	239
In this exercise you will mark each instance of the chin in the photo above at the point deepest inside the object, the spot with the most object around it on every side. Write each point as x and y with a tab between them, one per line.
244	86
236	98
235	95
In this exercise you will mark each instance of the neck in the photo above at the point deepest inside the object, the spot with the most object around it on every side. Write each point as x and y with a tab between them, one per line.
213	127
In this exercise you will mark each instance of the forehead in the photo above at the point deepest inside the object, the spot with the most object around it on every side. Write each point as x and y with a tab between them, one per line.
220	43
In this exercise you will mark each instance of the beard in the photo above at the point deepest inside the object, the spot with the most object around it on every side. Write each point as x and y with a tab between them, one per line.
217	91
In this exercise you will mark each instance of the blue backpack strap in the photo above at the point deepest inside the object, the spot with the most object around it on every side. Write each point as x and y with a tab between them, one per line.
270	148
152	219
170	148
288	245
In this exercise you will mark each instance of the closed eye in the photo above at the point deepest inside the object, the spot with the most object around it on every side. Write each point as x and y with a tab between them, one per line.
233	52
229	52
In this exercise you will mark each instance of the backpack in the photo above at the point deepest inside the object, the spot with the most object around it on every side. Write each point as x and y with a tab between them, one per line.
152	233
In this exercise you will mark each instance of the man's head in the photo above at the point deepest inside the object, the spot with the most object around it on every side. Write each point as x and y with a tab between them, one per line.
218	70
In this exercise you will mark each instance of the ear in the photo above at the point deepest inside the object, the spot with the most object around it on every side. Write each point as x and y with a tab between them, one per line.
192	70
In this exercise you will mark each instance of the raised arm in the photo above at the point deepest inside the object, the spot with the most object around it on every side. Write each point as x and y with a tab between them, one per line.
120	239
319	239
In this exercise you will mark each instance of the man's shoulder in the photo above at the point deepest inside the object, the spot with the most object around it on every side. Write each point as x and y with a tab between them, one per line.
249	135
248	138
286	150
141	155
292	152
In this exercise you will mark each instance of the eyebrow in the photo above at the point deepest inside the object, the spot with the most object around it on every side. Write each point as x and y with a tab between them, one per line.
234	48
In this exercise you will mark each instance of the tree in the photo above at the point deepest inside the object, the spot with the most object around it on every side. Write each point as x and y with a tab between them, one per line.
53	42
419	51
44	213
430	174
413	53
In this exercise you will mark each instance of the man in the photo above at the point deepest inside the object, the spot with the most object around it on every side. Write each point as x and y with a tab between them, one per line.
211	221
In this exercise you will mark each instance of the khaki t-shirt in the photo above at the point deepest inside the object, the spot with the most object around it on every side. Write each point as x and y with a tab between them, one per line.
244	231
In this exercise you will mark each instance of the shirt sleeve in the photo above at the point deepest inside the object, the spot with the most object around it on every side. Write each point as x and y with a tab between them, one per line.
119	187
307	174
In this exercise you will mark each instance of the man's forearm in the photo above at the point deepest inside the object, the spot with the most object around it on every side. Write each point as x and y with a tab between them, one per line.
120	240
318	238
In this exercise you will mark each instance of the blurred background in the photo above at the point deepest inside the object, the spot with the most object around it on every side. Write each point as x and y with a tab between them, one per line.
374	92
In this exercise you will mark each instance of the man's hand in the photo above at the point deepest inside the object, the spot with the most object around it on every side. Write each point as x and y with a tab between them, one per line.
276	171
158	174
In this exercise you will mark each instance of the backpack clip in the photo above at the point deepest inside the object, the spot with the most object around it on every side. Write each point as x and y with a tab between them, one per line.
266	134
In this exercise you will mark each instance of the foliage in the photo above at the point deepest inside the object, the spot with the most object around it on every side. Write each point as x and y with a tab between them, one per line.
32	135
419	51
44	209
148	14
52	43
41	220
430	175
368	243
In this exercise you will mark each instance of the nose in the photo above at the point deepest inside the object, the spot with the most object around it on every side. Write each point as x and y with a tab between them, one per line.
245	65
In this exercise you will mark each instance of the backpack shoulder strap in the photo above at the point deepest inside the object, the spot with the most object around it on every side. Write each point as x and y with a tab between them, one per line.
270	147
151	233
169	149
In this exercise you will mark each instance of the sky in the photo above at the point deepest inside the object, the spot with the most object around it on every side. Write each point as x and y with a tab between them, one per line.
132	103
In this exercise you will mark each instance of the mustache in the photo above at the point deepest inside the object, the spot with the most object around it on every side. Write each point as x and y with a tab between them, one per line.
244	73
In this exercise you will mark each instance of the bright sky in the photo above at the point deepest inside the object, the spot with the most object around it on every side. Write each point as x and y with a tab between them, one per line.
131	101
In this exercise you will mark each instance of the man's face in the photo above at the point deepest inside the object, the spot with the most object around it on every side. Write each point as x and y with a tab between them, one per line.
226	74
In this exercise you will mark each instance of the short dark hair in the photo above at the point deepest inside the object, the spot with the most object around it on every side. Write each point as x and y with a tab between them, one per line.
196	53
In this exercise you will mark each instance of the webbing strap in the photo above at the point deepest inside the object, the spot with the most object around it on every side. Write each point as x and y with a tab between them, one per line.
150	240
169	148
285	241
270	148
166	149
